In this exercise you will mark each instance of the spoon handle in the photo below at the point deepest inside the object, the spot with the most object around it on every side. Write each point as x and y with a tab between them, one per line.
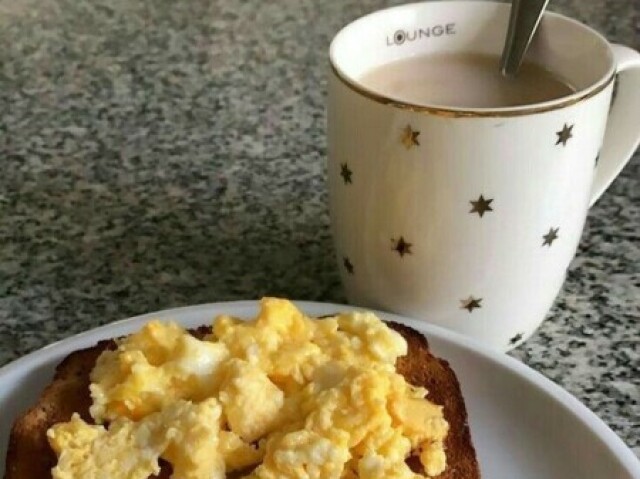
523	22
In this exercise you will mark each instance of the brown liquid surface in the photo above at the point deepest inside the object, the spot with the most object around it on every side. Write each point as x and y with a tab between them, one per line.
463	80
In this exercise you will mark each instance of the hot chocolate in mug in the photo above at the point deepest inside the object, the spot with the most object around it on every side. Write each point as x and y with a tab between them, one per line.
469	217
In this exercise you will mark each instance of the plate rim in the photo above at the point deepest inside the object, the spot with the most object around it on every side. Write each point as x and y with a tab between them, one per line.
570	403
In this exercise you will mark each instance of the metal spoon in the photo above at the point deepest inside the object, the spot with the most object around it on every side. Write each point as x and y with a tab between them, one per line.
523	23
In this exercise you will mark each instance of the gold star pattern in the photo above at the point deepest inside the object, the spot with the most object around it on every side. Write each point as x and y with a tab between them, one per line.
346	173
564	134
481	206
516	339
470	303
347	265
401	246
550	237
409	137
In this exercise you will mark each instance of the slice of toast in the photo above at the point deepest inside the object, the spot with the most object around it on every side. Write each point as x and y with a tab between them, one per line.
30	457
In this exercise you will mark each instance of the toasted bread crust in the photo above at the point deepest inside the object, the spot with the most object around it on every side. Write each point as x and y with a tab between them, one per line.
421	368
29	455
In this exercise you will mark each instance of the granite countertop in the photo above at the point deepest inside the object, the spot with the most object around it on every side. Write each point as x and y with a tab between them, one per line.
158	154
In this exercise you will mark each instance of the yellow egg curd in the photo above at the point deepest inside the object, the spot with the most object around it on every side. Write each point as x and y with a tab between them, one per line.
280	396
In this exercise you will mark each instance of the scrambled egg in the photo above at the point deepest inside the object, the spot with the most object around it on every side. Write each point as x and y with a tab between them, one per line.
184	433
281	396
151	370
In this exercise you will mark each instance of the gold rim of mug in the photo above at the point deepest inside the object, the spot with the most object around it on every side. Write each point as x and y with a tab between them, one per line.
455	113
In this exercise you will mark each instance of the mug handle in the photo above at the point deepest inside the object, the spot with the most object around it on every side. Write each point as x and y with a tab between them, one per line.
623	126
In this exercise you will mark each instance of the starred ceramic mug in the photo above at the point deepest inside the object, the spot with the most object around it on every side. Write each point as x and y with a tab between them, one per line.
468	218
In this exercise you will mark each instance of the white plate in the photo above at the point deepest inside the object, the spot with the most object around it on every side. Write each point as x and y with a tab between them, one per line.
523	425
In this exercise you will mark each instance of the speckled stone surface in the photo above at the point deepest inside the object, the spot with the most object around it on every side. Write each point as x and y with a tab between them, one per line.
160	153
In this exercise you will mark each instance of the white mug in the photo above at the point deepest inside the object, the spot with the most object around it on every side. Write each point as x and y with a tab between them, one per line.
468	218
